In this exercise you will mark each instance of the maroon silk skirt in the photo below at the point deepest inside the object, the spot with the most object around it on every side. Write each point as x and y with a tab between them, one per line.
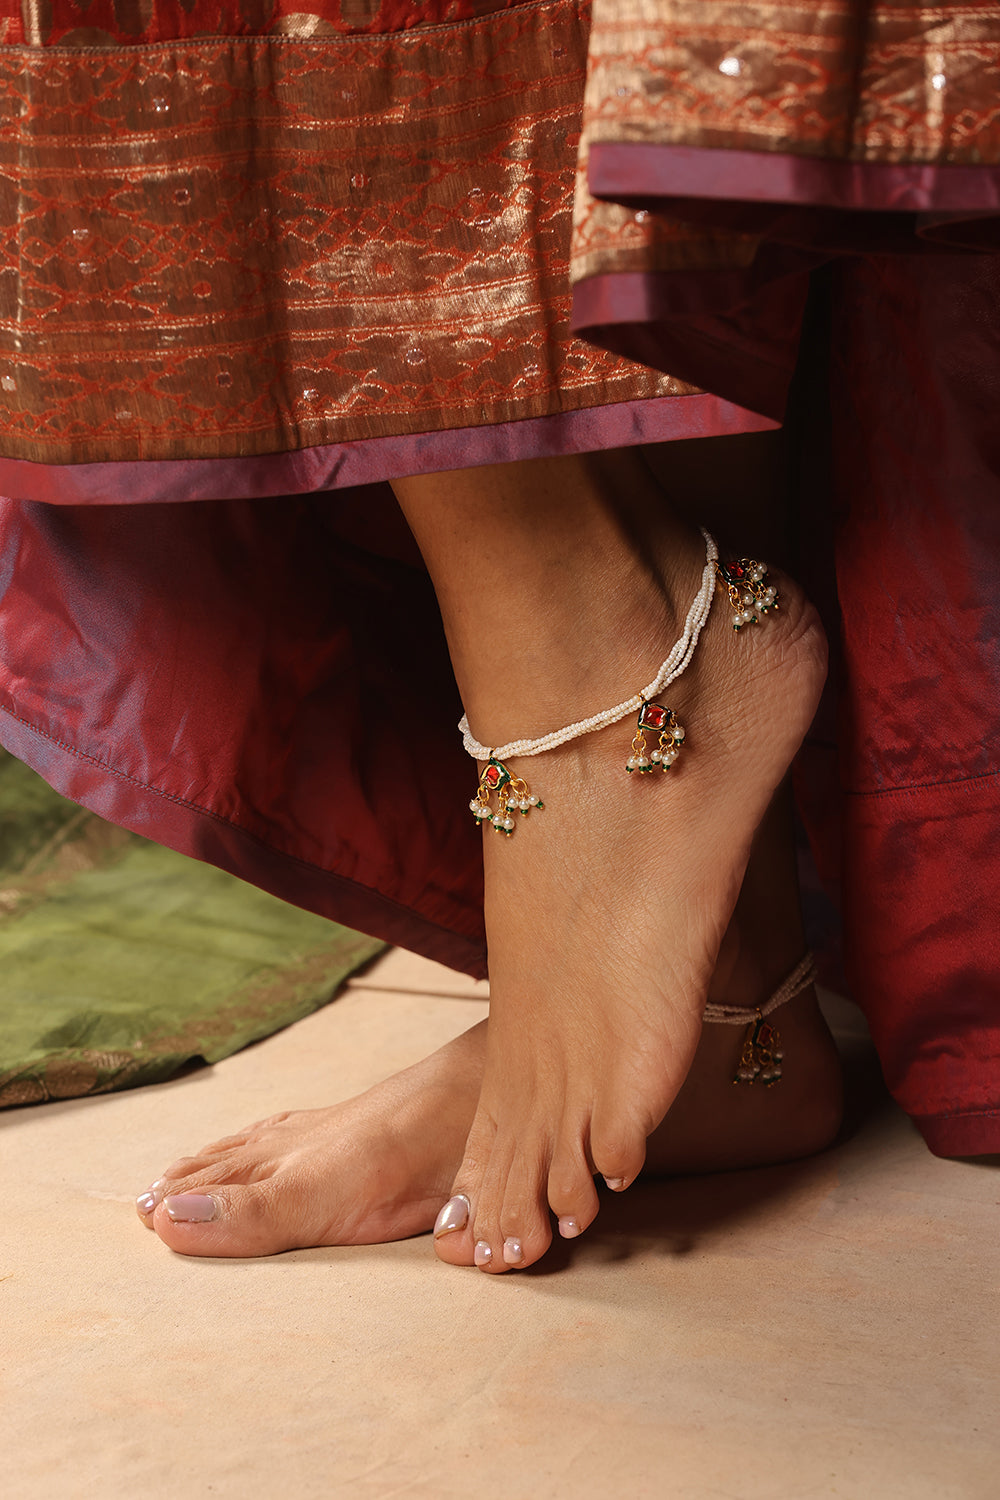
265	259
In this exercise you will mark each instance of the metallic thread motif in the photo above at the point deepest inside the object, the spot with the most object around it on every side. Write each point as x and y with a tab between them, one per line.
416	301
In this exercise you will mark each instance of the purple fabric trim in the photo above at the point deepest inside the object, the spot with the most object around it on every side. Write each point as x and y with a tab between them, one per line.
203	835
343	465
665	319
625	171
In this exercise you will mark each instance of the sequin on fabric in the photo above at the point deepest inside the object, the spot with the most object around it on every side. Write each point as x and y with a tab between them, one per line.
817	81
882	82
274	243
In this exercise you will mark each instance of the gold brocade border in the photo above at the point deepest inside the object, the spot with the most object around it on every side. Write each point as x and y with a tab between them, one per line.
865	82
872	83
249	246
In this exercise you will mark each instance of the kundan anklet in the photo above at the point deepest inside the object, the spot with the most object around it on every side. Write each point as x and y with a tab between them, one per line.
761	1055
745	581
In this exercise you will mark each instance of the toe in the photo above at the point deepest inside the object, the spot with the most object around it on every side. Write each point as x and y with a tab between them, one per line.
454	1241
455	1230
233	1219
572	1196
147	1202
525	1225
618	1153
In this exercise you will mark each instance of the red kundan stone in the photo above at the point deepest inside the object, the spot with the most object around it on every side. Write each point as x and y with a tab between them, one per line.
495	775
654	716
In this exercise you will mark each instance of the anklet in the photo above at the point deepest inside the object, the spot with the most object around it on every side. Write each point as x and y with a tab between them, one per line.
745	580
761	1055
513	793
750	594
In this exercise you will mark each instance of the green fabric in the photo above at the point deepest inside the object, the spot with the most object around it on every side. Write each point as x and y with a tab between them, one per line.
120	961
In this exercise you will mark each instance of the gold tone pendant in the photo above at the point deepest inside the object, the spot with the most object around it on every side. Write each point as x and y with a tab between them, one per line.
750	594
760	1059
662	721
512	795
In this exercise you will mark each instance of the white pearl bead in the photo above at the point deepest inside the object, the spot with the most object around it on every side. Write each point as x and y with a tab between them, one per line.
678	733
656	756
737	621
532	801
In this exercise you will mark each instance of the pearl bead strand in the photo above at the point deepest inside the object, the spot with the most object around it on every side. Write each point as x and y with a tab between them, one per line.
677	662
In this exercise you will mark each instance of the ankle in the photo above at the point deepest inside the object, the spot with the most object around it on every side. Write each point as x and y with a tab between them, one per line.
591	638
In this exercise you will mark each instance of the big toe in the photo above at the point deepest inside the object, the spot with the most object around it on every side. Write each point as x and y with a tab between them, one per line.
232	1219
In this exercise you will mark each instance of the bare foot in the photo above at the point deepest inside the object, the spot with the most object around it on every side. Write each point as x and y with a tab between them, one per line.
605	918
379	1167
372	1169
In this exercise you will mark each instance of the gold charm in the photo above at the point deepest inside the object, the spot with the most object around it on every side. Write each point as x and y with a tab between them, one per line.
662	721
512	796
750	594
760	1059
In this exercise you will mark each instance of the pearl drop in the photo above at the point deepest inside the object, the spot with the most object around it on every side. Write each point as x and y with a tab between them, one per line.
678	733
656	756
669	757
737	621
631	763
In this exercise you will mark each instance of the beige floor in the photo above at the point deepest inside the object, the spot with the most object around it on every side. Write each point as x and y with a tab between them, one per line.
829	1329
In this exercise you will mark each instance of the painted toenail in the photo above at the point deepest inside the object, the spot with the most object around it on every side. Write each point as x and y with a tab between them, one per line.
454	1215
483	1254
191	1208
569	1228
513	1252
146	1202
617	1184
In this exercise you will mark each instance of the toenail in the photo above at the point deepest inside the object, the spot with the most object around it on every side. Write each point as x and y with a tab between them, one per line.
569	1228
191	1208
513	1252
146	1202
483	1254
617	1184
454	1215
